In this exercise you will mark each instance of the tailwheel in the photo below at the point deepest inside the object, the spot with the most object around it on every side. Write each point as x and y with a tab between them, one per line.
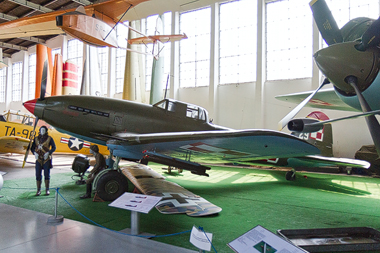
290	175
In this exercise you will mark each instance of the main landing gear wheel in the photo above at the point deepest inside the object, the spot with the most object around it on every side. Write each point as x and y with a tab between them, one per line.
111	185
290	175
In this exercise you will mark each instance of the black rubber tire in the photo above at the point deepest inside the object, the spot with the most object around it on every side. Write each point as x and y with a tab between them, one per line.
111	186
290	176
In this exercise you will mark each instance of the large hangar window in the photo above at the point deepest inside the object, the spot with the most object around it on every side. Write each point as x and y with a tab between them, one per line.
75	54
345	10
103	53
32	76
194	55
289	39
16	81
3	83
119	69
237	42
120	56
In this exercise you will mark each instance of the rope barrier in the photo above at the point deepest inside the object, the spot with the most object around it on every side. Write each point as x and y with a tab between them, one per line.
97	224
201	228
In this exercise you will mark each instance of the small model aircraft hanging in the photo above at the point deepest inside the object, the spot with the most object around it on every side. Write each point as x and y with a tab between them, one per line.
351	62
155	40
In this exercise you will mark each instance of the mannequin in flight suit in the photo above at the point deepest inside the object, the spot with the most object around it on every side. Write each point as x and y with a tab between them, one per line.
43	147
99	166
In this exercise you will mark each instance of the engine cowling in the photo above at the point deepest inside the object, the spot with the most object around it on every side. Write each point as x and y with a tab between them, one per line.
304	125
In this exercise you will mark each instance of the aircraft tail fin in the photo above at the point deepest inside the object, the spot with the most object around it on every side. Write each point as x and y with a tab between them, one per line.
322	139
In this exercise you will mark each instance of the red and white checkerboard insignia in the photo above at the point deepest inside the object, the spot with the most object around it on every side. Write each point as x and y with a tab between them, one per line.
204	148
317	135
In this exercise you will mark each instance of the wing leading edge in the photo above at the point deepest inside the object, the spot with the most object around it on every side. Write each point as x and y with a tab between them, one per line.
324	99
13	144
213	146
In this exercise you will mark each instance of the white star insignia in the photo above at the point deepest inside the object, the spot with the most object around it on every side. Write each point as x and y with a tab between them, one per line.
75	144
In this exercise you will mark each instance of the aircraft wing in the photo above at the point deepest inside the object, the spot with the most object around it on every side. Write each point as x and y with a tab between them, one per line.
213	146
13	144
154	38
175	199
45	24
324	99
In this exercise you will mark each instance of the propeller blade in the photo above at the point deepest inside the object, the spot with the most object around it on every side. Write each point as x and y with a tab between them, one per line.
42	96
371	37
326	23
298	108
373	124
30	143
44	80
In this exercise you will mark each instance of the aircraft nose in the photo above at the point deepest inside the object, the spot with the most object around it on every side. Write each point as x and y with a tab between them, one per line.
35	107
341	60
30	105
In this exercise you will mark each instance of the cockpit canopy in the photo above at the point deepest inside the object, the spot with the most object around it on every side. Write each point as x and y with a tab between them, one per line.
182	109
17	117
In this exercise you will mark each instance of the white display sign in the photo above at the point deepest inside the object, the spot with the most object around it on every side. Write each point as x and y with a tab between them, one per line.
260	240
199	239
136	202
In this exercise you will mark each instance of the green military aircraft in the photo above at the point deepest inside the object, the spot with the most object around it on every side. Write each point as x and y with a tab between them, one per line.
169	132
172	133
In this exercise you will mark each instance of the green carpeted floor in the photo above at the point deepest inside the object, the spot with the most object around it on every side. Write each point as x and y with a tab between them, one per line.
249	197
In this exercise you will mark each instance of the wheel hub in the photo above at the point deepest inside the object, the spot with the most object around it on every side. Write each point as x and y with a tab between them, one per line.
112	187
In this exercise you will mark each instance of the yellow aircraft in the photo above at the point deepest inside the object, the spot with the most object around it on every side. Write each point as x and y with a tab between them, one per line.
16	129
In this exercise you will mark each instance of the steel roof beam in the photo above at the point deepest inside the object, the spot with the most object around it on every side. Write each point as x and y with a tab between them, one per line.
12	46
7	17
82	2
31	5
34	39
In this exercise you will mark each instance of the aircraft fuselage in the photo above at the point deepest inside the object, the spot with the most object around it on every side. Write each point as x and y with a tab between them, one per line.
91	116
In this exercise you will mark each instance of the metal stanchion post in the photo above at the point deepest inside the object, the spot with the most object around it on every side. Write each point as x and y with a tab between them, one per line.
56	218
135	222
